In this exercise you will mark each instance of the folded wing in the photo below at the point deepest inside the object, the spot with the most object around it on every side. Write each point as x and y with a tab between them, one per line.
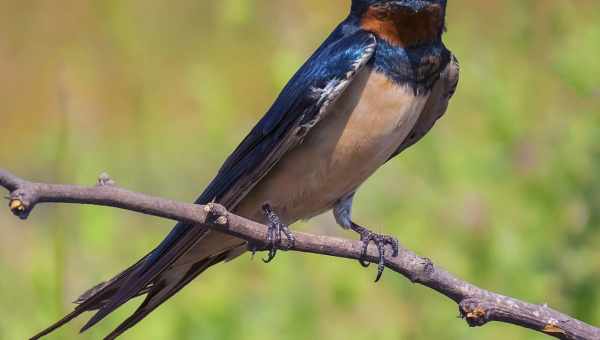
301	105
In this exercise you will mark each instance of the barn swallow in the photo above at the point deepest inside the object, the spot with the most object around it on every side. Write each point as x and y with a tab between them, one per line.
375	87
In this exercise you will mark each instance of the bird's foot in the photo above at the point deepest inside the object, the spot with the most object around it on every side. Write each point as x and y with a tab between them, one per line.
276	228
367	236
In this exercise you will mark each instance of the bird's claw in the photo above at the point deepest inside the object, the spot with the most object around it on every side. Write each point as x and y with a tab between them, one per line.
367	236
276	227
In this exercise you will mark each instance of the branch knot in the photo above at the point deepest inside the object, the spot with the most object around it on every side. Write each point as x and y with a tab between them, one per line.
553	328
105	180
475	312
216	214
21	203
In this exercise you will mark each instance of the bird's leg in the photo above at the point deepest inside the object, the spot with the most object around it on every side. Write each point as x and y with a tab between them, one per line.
276	227
367	236
343	215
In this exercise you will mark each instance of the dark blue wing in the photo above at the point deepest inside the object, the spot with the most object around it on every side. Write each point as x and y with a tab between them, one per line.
299	107
441	93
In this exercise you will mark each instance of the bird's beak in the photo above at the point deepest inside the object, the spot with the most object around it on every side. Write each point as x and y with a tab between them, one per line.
415	6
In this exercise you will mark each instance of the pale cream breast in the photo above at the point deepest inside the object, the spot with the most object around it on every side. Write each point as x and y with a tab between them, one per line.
356	136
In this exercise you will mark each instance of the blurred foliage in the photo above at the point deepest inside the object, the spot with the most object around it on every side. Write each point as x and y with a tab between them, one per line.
505	192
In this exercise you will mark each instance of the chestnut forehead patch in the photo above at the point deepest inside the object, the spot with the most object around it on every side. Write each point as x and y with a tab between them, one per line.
401	26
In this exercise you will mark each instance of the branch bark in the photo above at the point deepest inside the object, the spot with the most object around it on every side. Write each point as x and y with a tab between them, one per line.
476	305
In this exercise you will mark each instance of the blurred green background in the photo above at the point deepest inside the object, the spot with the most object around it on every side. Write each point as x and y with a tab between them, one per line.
505	192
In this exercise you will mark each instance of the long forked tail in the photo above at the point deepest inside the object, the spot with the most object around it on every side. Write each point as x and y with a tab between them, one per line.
159	275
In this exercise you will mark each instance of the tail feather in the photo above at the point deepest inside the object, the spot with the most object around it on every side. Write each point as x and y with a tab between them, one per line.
161	293
102	287
75	313
157	274
139	278
90	300
160	276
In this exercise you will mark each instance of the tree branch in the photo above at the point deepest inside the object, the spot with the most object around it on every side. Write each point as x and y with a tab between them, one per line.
477	306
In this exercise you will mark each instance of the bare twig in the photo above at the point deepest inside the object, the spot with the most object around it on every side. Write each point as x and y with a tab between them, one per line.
477	306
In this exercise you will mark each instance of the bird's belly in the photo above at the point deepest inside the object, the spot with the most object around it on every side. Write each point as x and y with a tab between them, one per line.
358	134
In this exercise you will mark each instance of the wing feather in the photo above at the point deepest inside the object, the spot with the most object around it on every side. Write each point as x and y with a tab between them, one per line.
436	105
301	105
305	101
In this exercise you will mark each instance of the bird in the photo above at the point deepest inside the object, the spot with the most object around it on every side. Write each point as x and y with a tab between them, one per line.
374	87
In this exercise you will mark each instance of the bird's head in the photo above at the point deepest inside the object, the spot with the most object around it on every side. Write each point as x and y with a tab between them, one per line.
402	22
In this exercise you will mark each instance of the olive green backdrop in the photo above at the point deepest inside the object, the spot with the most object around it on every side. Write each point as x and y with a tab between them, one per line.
505	192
